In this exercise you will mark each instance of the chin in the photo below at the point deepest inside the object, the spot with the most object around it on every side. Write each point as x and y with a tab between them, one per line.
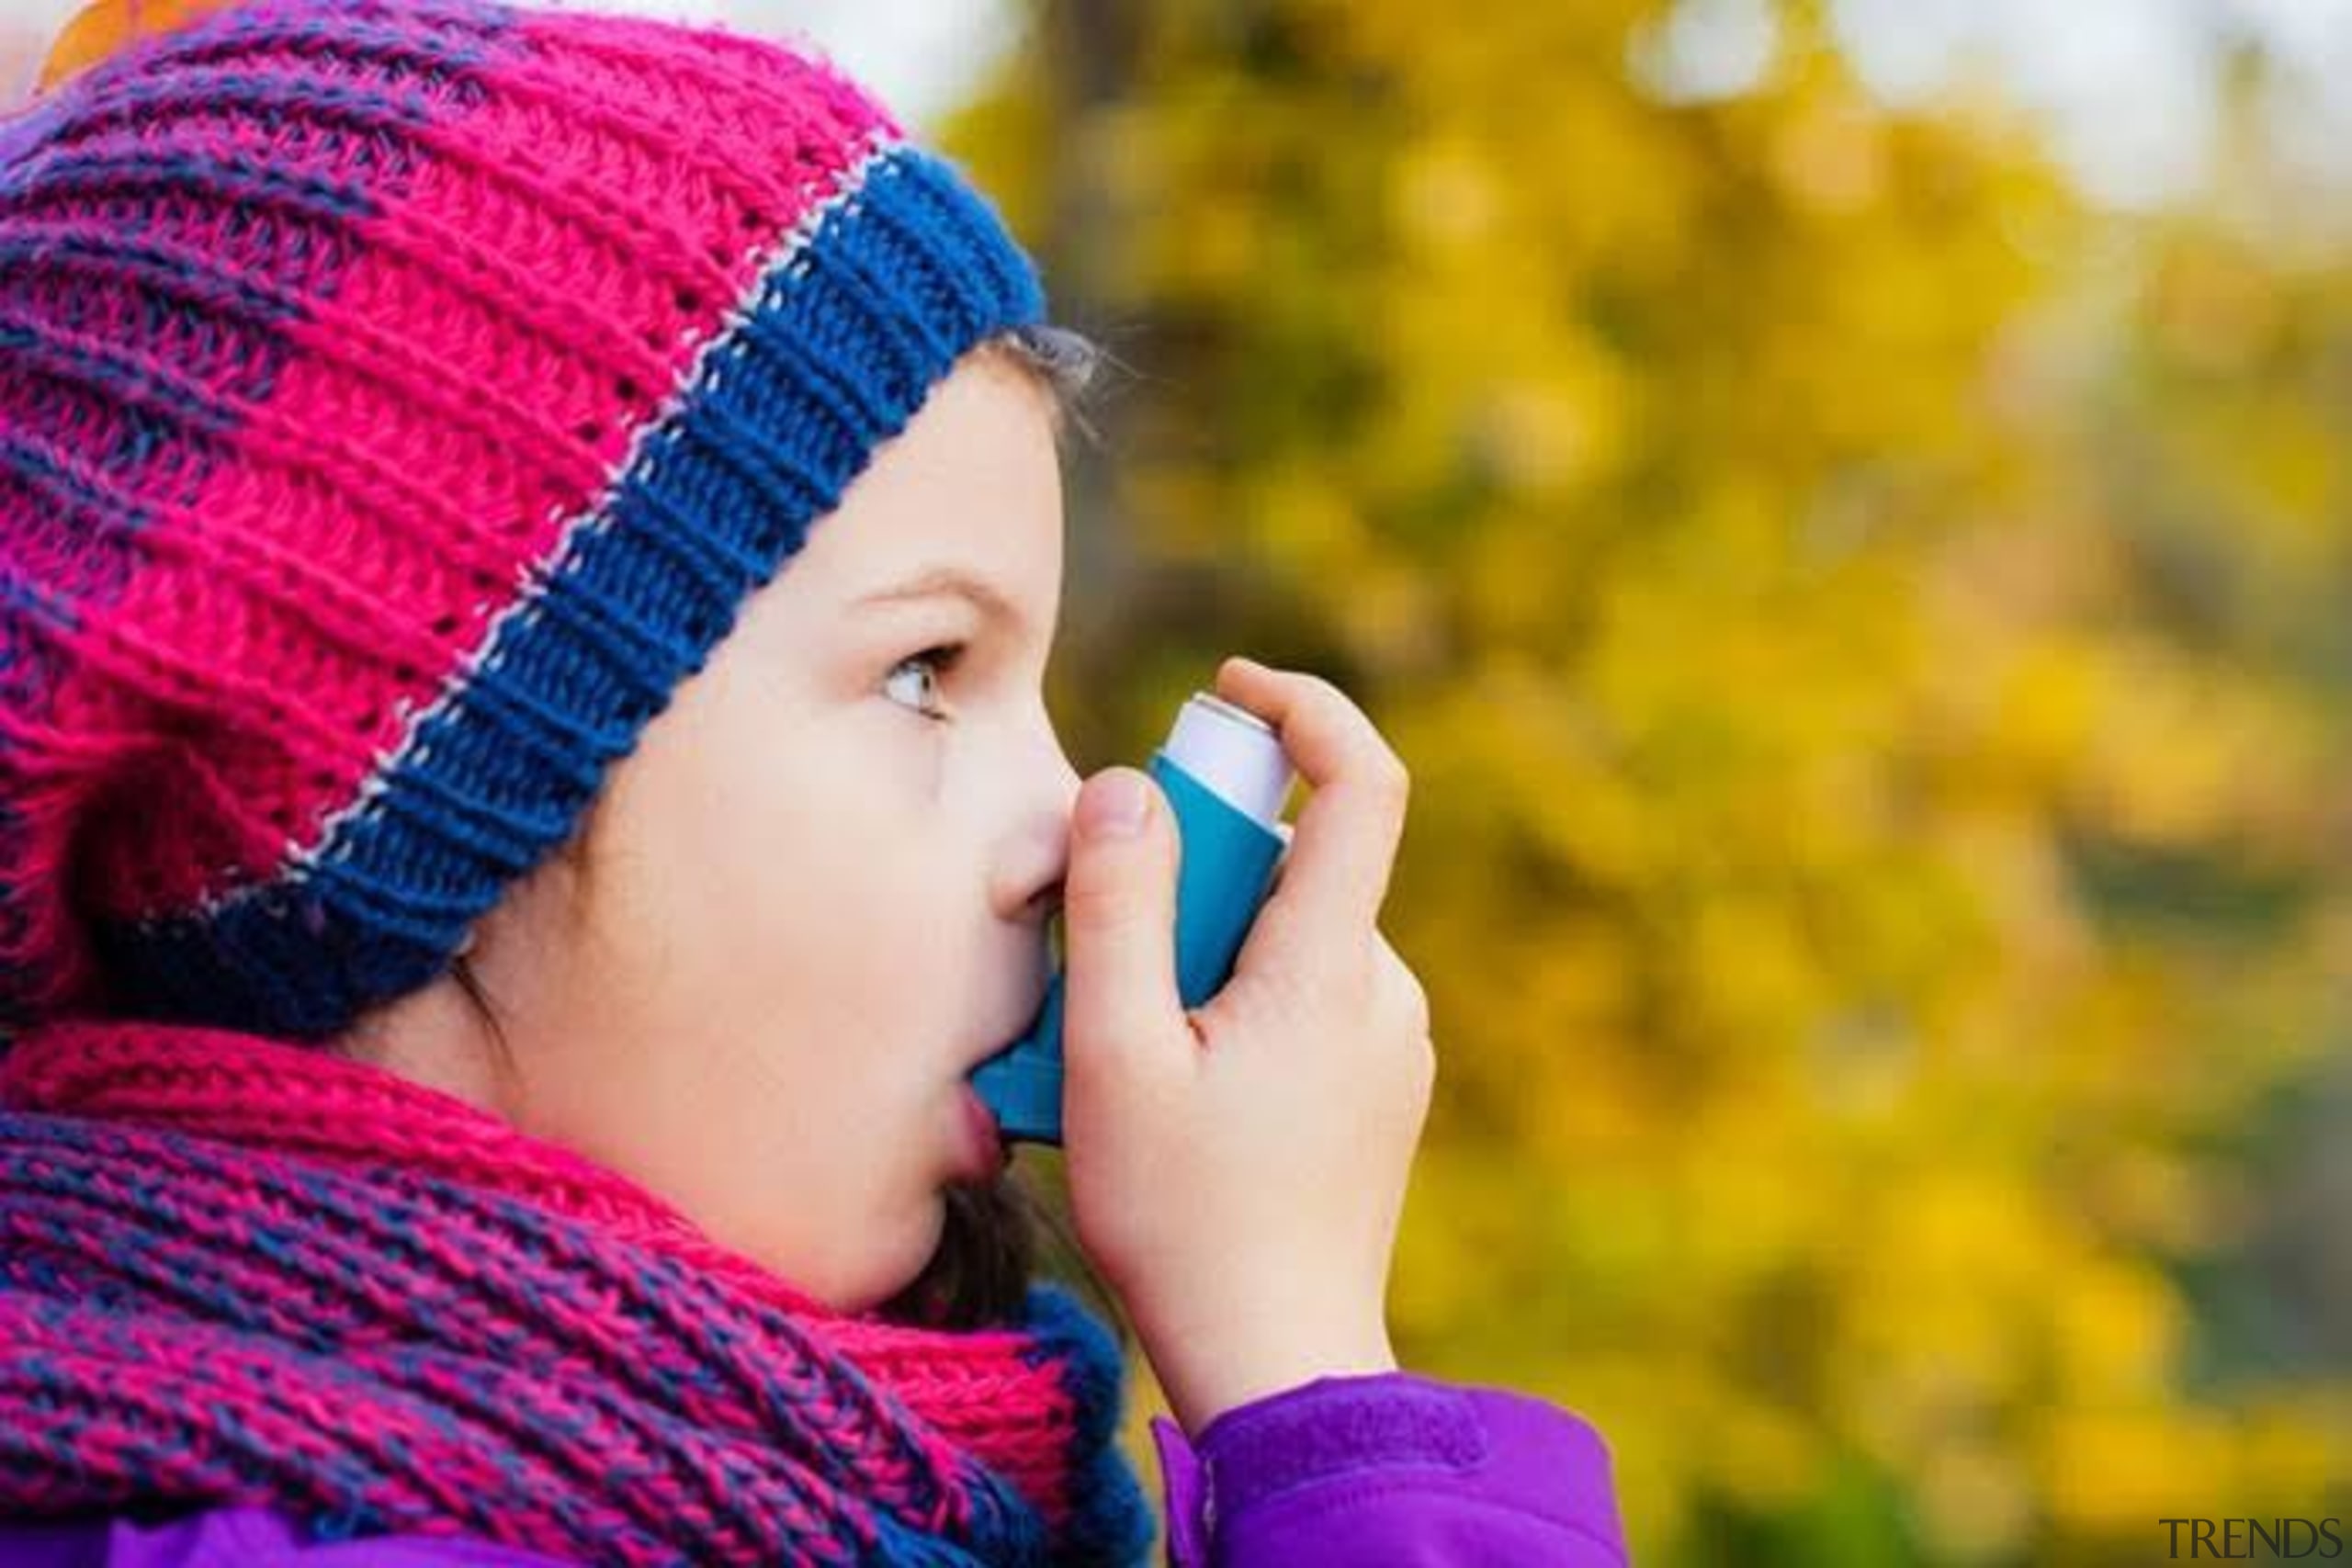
979	1261
882	1276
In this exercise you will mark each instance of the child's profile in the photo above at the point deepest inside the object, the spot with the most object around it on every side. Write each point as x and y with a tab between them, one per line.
530	544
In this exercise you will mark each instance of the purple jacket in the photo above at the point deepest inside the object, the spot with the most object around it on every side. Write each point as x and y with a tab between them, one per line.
1396	1470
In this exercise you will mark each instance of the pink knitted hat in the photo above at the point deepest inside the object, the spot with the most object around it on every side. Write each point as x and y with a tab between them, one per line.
397	399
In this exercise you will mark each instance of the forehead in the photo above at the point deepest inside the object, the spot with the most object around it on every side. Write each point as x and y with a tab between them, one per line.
967	498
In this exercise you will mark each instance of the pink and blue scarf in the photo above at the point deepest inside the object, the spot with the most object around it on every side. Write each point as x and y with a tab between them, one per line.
238	1271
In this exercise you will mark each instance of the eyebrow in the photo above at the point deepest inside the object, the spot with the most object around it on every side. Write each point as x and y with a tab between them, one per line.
946	582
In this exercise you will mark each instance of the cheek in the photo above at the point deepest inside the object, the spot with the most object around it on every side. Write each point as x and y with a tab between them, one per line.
735	838
781	905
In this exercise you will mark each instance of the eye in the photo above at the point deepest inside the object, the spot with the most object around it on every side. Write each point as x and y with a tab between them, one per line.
936	662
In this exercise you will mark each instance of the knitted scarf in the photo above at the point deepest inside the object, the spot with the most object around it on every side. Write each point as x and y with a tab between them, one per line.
237	1270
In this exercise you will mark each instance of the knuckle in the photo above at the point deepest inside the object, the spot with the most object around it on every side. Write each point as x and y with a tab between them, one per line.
1322	689
1416	1005
1330	705
1379	765
1328	699
1408	996
1391	777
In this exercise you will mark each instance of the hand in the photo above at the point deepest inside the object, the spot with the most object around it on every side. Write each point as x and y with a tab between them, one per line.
1237	1171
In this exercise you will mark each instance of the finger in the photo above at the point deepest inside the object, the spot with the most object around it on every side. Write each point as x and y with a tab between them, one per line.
1119	927
1337	864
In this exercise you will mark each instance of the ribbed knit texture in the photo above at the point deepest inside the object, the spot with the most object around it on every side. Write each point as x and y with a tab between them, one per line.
397	399
235	1270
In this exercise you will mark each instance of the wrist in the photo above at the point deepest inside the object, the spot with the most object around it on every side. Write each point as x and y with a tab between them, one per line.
1218	1378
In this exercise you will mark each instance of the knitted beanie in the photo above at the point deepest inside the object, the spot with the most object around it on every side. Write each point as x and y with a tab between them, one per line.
397	399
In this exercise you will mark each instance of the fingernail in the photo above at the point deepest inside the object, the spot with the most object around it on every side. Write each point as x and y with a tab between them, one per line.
1115	807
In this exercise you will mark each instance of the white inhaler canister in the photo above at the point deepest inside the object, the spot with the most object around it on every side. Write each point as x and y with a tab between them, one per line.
1226	777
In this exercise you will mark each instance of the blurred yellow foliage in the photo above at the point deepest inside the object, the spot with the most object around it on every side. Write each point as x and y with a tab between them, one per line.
1873	668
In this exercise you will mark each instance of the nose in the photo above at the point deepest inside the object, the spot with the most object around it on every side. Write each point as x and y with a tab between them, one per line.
1032	886
1066	784
1066	781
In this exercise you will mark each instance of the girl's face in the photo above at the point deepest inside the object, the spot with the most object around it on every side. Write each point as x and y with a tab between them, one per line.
815	897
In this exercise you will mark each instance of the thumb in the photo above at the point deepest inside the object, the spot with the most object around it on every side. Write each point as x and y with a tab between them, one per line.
1119	916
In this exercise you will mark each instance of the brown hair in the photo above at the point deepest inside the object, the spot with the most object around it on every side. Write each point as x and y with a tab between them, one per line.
998	1234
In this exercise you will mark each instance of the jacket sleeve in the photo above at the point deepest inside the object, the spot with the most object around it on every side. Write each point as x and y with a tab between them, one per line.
1390	1471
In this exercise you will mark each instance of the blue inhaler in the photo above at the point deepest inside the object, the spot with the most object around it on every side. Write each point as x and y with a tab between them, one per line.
1223	773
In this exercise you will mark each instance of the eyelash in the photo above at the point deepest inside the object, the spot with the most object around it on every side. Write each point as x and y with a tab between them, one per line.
941	659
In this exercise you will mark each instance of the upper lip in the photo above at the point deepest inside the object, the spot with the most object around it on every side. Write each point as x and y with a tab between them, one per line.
1000	1038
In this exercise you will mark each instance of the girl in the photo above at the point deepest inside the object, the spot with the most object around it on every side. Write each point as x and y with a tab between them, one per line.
529	549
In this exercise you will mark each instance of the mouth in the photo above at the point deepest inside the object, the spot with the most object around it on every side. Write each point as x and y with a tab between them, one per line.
985	1153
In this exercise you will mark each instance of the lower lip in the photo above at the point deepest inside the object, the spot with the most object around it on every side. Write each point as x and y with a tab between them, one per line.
988	1151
